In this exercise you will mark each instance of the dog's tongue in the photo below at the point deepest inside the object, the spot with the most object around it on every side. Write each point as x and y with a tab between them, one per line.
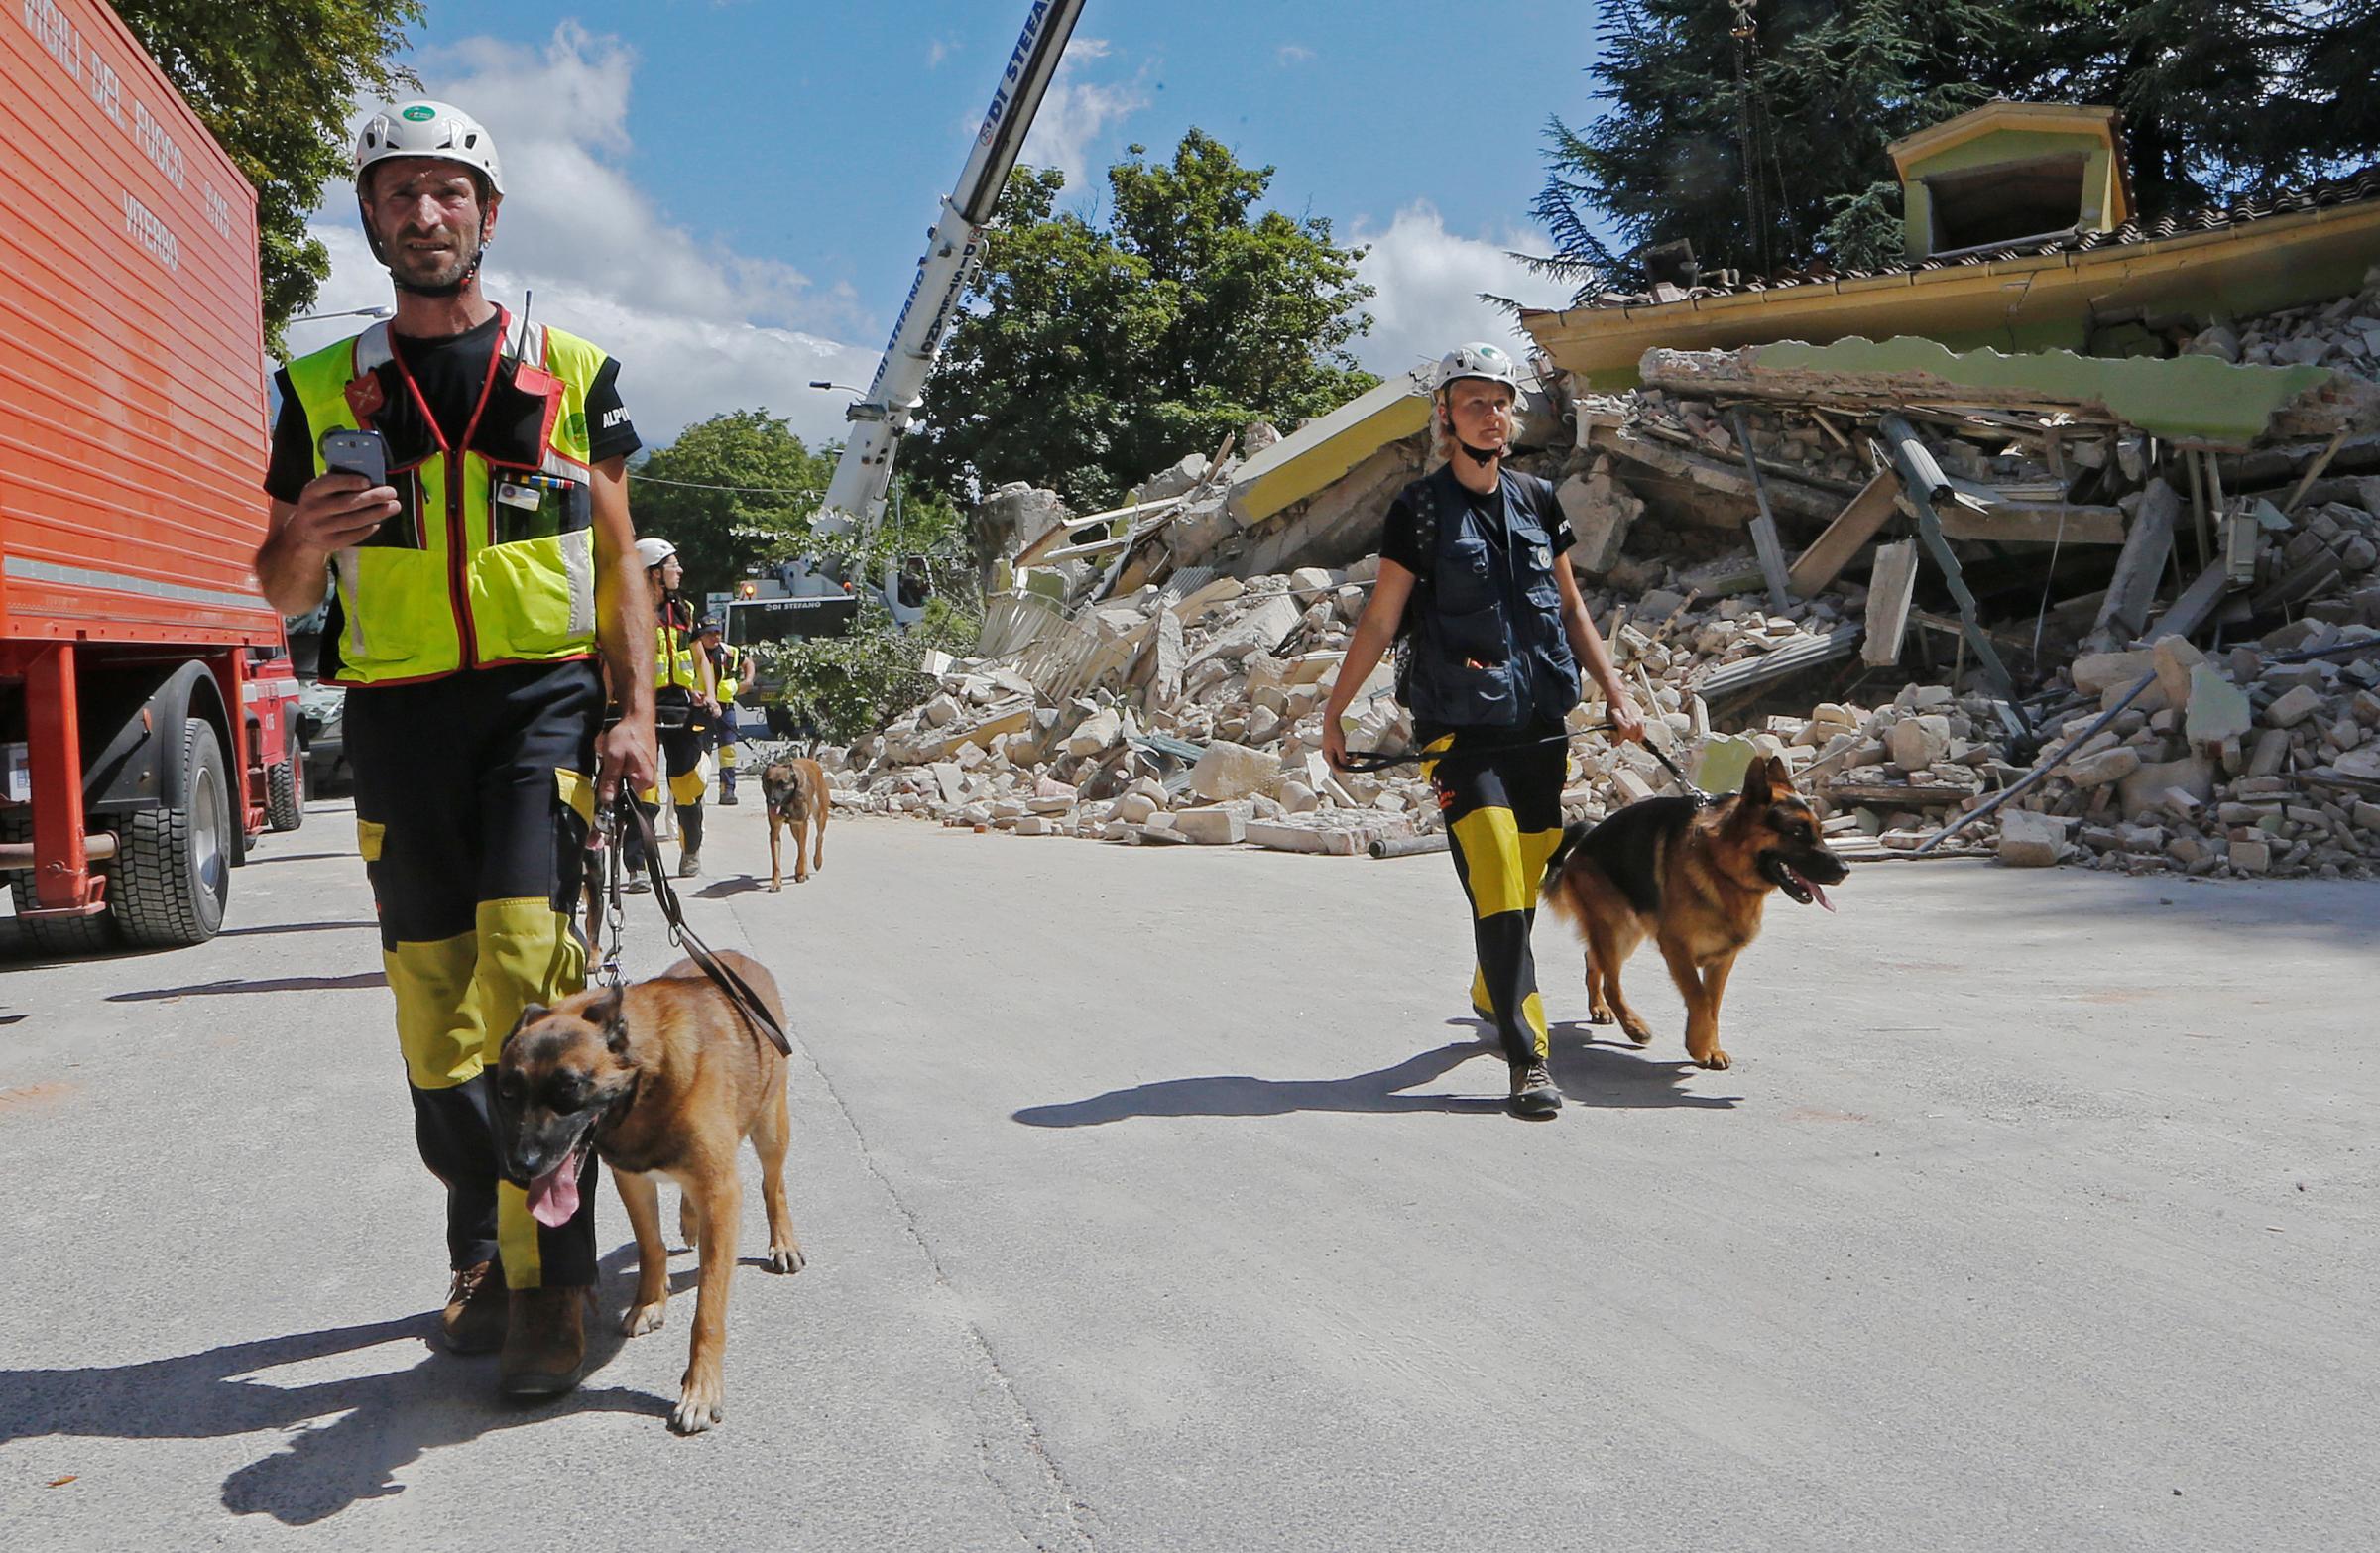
1817	892
554	1196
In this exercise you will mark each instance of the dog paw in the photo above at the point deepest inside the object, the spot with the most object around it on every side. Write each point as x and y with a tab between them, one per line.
1636	1032
700	1405
785	1259
1597	1014
774	886
642	1319
1716	1059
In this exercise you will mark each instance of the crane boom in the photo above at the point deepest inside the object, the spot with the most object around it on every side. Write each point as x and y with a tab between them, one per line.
855	495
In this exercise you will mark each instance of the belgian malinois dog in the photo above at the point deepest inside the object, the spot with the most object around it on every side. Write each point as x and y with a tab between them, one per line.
666	1077
795	792
1695	880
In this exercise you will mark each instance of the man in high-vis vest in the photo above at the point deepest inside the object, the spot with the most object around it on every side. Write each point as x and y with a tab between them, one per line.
732	669
480	594
685	706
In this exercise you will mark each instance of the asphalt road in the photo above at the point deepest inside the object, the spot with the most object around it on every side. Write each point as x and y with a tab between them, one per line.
1162	1199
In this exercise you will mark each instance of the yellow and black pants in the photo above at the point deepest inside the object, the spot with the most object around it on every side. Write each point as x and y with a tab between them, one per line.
682	728
1502	811
473	794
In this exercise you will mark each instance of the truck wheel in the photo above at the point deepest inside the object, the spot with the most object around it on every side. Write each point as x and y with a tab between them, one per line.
49	936
285	794
175	870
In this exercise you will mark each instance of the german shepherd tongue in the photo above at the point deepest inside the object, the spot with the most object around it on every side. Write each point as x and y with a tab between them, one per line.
1817	891
554	1196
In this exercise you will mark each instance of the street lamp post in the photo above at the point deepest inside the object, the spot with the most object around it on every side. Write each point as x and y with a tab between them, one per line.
384	311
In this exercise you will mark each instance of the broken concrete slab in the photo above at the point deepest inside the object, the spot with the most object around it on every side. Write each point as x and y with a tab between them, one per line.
2217	710
2029	839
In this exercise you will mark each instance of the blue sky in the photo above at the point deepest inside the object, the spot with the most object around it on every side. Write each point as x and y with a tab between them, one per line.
733	195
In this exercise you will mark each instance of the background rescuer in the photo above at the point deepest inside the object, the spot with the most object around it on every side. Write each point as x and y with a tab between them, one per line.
1475	579
474	590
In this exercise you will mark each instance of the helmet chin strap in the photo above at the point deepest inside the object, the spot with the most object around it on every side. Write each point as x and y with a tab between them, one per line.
454	288
1480	455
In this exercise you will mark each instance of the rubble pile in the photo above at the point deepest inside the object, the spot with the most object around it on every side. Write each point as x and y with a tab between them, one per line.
2190	635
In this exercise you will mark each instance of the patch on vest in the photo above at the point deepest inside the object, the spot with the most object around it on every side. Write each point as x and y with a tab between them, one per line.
574	426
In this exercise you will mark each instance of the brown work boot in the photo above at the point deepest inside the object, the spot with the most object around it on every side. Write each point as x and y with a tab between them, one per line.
474	1317
544	1341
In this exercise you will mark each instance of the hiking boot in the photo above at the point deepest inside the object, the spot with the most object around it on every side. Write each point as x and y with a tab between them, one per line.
474	1317
635	885
727	800
1533	1091
689	865
544	1341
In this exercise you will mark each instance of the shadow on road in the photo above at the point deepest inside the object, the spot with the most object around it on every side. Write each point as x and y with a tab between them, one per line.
379	1423
737	885
1592	1075
267	985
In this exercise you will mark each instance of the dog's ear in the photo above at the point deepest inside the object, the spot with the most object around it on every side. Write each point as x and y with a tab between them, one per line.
610	1016
528	1016
1759	781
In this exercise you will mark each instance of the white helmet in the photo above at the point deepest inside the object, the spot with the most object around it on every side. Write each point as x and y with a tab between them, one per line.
1476	360
652	550
424	128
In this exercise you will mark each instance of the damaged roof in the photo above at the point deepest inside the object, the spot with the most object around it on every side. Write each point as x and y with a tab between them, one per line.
2326	194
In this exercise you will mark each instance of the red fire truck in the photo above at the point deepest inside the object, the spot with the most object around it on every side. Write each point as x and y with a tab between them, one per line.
146	696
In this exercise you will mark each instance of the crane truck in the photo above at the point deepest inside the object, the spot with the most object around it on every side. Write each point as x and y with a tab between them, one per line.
855	497
146	697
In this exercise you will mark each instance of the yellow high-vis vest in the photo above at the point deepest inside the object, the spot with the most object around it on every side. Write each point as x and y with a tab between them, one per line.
674	652
730	674
493	558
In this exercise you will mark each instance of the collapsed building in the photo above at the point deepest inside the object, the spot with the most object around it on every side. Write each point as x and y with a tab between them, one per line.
2060	539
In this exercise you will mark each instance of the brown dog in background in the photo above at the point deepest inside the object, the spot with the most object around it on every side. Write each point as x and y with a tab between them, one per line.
666	1077
795	792
1693	879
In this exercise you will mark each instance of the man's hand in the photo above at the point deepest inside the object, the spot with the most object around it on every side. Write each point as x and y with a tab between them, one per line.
337	510
623	753
1627	723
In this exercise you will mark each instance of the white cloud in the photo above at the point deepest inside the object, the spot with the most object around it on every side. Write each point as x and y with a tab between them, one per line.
936	51
1075	113
1428	281
699	327
1292	54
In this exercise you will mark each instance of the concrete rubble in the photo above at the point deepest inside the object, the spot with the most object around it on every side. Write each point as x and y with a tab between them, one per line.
1169	691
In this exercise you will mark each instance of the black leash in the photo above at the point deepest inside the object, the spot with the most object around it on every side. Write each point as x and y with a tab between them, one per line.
1367	761
738	991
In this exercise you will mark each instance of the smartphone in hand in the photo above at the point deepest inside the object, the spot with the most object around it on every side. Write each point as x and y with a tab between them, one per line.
362	453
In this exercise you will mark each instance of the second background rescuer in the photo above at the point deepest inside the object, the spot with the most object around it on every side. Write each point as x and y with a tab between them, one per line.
473	593
1473	577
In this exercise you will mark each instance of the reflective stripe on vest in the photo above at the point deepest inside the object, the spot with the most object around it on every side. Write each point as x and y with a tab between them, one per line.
492	563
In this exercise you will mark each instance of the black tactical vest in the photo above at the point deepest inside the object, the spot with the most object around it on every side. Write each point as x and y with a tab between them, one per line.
1483	643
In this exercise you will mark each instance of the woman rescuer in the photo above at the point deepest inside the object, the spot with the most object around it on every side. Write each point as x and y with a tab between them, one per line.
1475	583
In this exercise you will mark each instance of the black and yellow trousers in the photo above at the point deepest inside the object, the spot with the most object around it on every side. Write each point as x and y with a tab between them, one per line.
682	730
473	794
1502	812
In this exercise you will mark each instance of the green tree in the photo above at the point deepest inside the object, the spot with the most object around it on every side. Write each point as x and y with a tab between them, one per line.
274	81
1092	354
733	492
1764	144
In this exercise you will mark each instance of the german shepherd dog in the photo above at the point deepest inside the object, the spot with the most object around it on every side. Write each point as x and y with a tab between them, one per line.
666	1077
795	792
1693	879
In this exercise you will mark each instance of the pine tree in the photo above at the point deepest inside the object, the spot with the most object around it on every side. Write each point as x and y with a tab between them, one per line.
1757	130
